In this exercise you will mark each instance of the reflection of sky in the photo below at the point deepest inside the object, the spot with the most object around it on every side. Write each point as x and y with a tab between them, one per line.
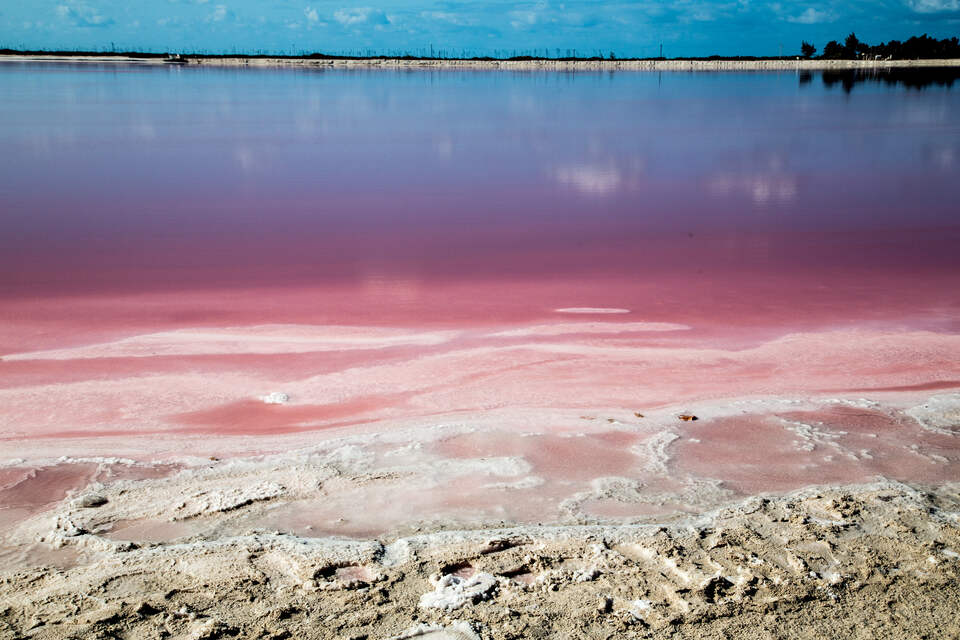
119	157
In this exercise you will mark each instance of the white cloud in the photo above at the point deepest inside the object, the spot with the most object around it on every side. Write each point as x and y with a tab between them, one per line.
812	16
82	15
523	19
537	14
705	11
933	6
219	13
360	15
311	14
444	16
542	14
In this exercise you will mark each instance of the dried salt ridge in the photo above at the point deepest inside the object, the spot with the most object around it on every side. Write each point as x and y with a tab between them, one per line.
878	560
651	468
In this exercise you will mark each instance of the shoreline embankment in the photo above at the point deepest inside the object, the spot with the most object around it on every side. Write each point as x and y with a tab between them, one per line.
505	65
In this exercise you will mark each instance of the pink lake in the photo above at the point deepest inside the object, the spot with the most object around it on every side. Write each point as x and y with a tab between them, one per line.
536	257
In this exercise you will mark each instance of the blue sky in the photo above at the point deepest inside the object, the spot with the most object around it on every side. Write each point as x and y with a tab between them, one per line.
635	28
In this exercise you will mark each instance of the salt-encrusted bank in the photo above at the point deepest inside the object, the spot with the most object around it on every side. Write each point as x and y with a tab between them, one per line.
508	65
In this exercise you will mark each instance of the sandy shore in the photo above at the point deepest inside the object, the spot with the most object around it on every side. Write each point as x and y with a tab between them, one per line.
869	561
512	65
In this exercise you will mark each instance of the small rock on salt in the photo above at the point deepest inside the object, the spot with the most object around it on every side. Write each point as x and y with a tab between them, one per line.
91	500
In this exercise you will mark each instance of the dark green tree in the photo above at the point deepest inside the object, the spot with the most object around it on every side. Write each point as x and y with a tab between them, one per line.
833	51
851	46
917	47
807	49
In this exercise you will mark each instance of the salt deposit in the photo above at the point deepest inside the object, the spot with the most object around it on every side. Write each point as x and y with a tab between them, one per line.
452	592
639	608
939	414
591	310
457	630
275	397
559	329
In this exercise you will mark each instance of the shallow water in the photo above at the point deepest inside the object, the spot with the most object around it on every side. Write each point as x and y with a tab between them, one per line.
408	247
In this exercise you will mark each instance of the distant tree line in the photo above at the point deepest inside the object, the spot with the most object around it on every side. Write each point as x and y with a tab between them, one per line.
916	47
851	49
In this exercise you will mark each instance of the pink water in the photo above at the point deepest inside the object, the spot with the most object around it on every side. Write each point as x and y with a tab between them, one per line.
175	243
